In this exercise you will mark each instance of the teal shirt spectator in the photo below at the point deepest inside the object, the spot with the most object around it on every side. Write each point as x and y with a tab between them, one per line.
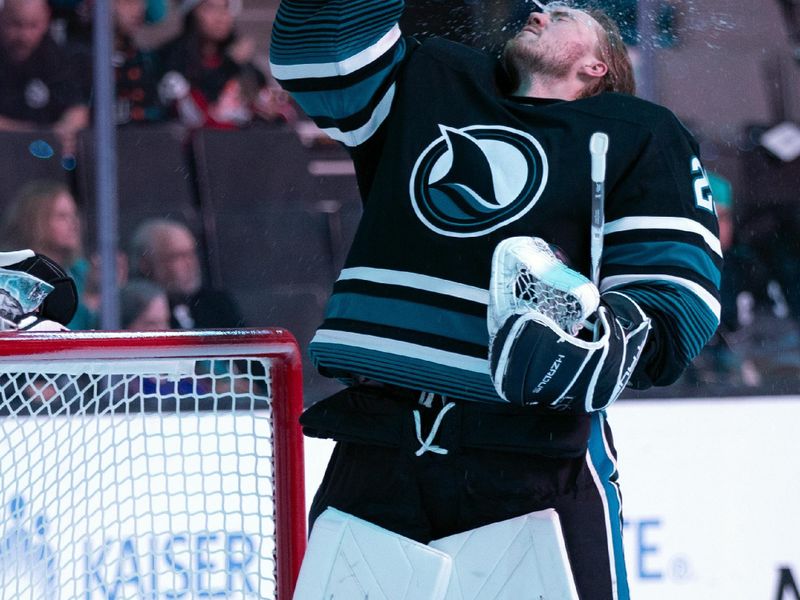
156	10
84	317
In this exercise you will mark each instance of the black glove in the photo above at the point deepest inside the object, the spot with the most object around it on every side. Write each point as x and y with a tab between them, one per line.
533	361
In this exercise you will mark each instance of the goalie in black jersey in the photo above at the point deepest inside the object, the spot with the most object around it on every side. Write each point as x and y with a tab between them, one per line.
478	188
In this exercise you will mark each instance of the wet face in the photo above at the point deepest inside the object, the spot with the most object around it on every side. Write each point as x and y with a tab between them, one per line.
214	19
174	262
553	43
23	25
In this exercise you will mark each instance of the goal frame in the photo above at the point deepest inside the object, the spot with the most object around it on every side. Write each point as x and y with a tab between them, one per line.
278	346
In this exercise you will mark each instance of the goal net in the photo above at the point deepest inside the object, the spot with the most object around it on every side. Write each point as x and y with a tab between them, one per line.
149	466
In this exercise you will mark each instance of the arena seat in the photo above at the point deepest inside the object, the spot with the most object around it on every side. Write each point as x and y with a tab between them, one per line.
269	221
155	178
278	218
25	156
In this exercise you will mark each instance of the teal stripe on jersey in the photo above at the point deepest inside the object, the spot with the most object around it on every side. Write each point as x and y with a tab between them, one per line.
695	321
605	468
404	371
405	314
350	100
310	38
664	254
319	31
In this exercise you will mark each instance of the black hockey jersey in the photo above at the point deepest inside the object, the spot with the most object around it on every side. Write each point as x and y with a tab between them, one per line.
449	166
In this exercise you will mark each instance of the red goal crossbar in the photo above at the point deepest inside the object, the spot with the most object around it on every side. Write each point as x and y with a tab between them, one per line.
71	356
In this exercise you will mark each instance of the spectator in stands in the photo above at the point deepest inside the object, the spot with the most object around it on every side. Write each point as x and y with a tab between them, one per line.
722	191
91	298
137	70
44	217
165	252
210	72
40	86
721	361
72	19
144	306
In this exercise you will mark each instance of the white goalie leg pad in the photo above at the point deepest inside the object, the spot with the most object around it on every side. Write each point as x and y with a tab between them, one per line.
523	557
350	558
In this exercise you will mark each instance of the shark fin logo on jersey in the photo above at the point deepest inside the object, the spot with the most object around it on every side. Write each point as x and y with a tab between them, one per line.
472	181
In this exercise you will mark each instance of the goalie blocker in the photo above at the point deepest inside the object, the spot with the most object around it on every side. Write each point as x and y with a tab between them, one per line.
534	358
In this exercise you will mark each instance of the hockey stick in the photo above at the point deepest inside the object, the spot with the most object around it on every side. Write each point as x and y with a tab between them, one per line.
598	147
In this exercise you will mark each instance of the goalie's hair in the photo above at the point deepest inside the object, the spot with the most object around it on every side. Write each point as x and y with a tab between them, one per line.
614	53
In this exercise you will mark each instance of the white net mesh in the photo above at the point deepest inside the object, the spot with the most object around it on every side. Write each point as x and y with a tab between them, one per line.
532	293
136	479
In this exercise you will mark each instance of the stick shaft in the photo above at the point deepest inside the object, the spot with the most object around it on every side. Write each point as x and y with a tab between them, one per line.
598	147
598	222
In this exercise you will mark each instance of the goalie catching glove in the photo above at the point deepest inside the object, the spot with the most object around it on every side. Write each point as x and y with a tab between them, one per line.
542	351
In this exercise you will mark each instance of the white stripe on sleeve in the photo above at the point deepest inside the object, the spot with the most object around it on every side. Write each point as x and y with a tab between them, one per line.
358	136
419	282
675	223
344	67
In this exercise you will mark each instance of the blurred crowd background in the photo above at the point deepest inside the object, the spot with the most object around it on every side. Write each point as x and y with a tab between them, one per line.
234	210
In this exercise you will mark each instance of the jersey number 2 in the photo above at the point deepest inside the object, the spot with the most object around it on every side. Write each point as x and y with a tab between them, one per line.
702	188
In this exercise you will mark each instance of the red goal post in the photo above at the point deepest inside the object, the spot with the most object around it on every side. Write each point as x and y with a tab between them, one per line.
158	464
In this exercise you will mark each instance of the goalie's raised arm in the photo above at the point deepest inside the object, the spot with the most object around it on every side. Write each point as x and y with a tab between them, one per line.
338	59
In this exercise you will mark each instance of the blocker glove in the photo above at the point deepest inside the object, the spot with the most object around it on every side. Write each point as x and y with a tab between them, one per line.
554	341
